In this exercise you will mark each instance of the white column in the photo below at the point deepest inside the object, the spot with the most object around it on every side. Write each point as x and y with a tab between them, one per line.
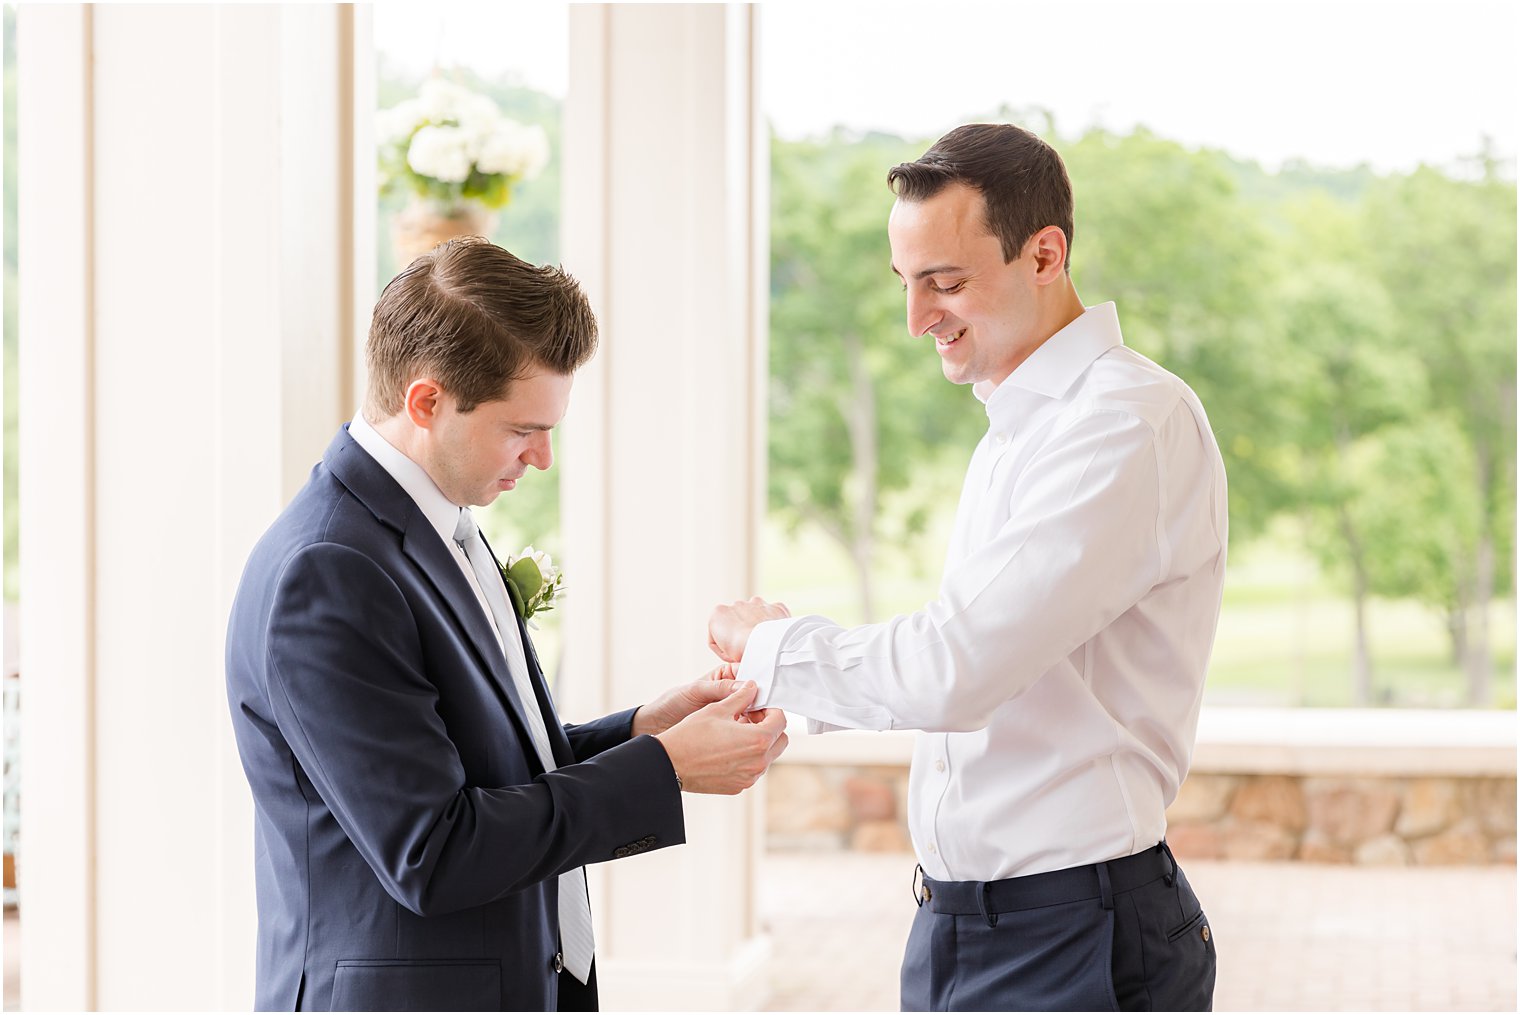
188	295
664	450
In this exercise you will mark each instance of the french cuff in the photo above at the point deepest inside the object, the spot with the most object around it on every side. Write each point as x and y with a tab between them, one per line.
760	652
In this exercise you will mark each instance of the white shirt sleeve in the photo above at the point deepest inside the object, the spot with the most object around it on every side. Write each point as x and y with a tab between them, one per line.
1084	542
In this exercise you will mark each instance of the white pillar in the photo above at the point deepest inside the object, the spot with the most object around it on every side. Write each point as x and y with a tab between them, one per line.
664	449
189	296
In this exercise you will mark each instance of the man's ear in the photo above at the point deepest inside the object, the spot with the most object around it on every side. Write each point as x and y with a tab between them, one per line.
424	402
1049	248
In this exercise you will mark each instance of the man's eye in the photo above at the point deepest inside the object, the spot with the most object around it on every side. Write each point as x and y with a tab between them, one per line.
949	288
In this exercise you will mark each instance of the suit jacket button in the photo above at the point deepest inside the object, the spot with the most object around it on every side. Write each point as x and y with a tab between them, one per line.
559	962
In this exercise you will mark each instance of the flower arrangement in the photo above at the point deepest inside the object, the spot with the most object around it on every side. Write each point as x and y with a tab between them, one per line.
533	582
450	146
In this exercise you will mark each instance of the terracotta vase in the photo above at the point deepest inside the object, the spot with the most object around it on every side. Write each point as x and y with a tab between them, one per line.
420	227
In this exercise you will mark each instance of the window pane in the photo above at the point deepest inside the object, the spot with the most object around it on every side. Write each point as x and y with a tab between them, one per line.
463	67
1268	235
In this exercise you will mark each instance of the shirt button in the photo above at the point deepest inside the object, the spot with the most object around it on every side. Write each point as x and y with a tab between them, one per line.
1002	438
559	962
932	849
939	766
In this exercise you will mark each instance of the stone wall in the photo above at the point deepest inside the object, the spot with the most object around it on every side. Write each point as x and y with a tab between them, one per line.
1320	818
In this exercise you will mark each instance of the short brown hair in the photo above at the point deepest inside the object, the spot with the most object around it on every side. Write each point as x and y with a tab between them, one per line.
474	317
1021	178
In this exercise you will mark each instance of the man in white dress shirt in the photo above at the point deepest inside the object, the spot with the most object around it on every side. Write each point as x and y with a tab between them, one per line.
1057	677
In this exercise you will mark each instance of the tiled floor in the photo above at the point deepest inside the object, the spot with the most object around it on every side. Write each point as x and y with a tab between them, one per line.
1291	936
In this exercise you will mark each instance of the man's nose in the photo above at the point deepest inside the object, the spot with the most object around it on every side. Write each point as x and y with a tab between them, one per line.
540	452
923	313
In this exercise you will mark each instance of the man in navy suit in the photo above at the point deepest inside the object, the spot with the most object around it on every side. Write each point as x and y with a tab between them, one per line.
422	817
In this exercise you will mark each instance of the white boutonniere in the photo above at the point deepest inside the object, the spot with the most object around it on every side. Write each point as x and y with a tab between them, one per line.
534	583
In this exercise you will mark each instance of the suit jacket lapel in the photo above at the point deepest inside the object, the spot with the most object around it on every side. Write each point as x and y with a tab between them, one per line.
368	481
560	743
421	544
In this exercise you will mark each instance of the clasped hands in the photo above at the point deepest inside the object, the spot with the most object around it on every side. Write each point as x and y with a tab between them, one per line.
716	743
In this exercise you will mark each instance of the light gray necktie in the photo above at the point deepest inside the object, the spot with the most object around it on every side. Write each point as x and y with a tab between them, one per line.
574	907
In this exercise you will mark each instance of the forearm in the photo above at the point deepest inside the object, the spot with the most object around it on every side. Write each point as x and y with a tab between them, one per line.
589	739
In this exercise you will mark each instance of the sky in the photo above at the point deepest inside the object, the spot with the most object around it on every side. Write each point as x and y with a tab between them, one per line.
1335	82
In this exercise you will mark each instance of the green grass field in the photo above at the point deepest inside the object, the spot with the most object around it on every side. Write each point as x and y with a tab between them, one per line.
1285	632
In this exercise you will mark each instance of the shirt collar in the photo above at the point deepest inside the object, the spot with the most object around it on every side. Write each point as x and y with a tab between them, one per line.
1054	367
441	513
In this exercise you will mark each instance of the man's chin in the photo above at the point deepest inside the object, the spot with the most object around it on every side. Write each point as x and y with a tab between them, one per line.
956	373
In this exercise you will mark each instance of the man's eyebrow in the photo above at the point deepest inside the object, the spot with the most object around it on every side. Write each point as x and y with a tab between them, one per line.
938	269
534	426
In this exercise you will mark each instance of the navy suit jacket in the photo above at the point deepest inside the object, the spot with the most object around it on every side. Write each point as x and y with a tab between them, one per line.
407	840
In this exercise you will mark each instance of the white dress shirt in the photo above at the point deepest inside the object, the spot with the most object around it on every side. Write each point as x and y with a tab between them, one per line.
1059	674
443	515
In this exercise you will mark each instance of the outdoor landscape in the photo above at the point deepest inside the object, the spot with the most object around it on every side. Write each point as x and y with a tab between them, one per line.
1352	335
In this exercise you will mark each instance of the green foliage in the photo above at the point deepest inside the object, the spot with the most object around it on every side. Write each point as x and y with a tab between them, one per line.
1164	232
1445	252
857	406
1351	335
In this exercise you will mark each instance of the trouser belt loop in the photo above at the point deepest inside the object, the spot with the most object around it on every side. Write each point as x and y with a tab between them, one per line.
988	913
1171	878
1104	886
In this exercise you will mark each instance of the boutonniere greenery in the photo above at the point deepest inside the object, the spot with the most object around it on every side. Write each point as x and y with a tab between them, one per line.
533	583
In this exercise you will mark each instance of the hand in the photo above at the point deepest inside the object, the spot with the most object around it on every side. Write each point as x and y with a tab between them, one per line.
714	750
729	627
679	702
727	672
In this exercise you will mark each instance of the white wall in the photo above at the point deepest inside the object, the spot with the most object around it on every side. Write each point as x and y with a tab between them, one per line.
663	449
187	335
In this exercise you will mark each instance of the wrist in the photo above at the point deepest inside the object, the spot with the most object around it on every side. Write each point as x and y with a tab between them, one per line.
642	724
671	757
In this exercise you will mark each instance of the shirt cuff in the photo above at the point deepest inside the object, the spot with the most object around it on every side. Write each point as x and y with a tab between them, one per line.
759	662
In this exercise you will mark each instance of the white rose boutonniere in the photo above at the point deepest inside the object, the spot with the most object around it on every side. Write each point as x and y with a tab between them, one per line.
533	582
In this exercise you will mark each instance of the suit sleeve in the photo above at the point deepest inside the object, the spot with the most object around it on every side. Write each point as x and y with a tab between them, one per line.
349	690
589	739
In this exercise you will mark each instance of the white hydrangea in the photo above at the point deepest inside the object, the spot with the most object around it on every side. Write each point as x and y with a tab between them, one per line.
513	149
441	100
453	131
394	125
442	153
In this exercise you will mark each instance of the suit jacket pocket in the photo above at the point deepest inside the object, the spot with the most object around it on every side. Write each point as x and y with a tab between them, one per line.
417	985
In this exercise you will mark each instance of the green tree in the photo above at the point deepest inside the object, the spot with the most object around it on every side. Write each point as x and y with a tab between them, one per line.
1445	251
1164	232
1346	387
857	406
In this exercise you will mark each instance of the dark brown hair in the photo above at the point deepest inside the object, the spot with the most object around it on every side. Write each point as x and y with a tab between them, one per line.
1021	178
474	318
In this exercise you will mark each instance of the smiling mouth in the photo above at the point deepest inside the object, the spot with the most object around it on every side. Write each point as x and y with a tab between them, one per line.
946	341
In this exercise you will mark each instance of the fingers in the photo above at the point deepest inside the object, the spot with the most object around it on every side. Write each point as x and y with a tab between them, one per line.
772	722
737	702
775	750
710	688
723	671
